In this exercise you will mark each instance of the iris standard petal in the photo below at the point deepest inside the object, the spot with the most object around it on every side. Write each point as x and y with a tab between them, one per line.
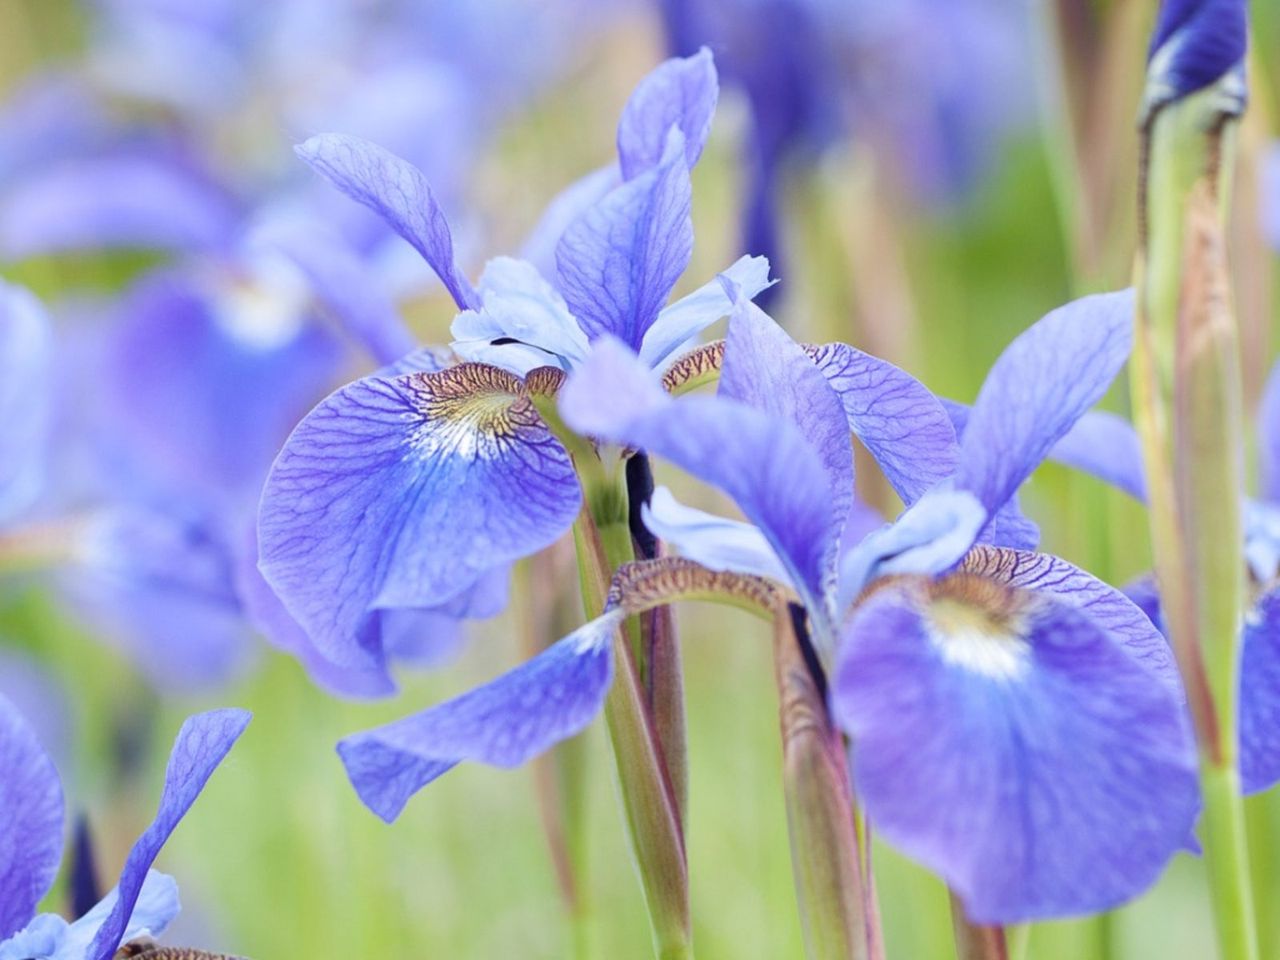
691	314
903	425
503	723
402	492
618	261
761	462
679	93
1260	695
1107	447
26	357
201	745
767	370
398	192
1039	387
113	202
565	207
715	542
30	821
1005	740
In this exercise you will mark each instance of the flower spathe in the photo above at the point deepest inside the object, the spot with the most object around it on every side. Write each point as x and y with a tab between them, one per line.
31	822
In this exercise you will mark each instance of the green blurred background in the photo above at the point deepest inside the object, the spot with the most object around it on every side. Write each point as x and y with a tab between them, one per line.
280	860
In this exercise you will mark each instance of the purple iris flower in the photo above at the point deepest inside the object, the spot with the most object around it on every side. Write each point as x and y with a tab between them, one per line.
1016	724
1196	43
31	836
409	489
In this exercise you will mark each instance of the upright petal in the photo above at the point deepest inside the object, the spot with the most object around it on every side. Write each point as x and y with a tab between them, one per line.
680	94
503	723
618	262
693	313
156	907
30	821
1260	695
26	357
1003	738
202	743
905	427
1107	447
1039	387
402	492
566	207
762	462
765	369
398	192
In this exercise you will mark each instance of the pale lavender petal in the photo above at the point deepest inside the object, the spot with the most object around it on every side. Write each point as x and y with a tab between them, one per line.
402	492
906	428
1039	387
715	542
618	262
767	370
503	723
30	821
691	314
1106	446
398	192
1006	741
155	909
680	94
26	358
201	745
566	207
113	202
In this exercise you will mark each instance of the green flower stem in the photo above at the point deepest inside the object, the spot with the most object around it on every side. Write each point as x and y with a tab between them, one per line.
826	863
650	807
976	941
1187	400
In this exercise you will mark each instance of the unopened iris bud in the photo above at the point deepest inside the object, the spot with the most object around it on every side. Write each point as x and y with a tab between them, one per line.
1197	44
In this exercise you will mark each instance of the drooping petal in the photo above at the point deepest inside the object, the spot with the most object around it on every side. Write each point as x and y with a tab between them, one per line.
402	492
1039	387
1005	740
905	427
1102	603
30	821
767	370
503	723
762	462
525	315
201	745
26	356
679	93
113	202
618	262
692	314
715	542
398	192
1260	695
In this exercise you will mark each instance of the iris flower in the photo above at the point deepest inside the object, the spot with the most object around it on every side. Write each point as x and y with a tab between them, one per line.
1015	724
412	488
144	901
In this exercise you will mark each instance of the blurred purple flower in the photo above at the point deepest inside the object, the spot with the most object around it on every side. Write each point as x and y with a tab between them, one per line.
31	836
